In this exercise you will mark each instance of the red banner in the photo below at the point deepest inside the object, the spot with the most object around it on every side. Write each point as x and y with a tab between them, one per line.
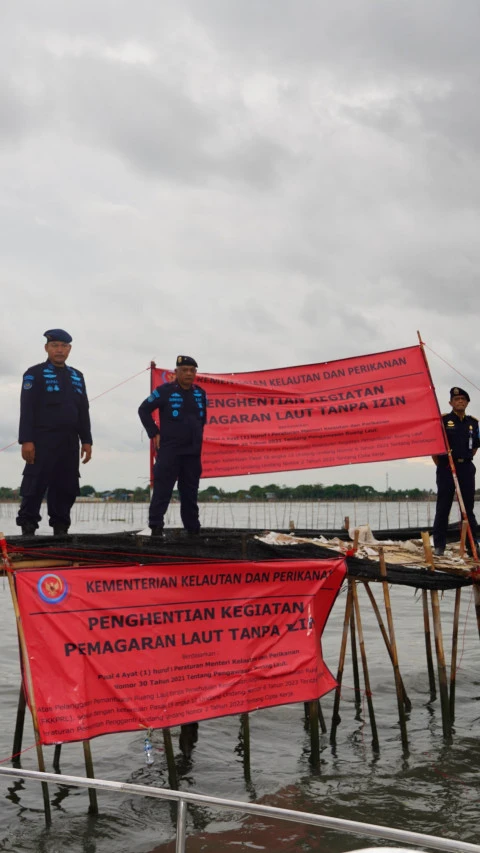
119	649
365	409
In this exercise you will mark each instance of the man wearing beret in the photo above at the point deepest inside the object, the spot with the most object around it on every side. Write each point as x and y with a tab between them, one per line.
54	420
182	406
463	439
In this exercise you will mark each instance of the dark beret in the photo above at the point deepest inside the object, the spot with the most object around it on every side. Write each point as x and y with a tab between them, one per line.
183	360
58	335
459	392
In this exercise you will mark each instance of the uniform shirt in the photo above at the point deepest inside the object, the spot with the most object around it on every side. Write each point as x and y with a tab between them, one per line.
183	415
463	436
53	399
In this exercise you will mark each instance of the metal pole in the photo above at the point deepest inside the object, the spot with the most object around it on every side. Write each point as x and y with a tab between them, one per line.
181	827
450	845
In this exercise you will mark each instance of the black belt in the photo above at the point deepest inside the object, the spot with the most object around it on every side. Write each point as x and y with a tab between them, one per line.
461	460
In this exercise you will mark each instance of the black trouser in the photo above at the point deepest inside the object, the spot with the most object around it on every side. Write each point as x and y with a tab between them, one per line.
445	494
169	468
55	469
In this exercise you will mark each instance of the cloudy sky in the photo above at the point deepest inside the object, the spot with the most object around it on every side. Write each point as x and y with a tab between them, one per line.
258	183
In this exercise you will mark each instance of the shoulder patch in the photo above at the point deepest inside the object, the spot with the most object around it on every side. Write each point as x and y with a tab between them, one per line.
27	385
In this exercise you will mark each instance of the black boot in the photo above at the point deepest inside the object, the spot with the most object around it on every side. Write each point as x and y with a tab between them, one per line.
157	533
60	529
28	529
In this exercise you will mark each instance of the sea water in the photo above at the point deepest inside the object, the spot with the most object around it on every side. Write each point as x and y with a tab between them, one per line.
433	788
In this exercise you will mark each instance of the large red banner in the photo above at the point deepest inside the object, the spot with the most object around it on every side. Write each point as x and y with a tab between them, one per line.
365	409
119	649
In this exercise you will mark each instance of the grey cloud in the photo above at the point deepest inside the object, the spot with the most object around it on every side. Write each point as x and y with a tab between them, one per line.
159	129
358	37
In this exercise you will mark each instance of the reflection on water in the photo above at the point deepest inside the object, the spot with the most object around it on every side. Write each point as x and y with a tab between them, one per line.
433	788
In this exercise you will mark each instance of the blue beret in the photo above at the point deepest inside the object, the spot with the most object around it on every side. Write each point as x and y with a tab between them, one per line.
58	335
459	392
184	360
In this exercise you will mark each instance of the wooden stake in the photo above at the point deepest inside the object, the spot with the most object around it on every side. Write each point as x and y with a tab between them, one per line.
172	770
356	535
366	676
341	663
453	667
28	677
346	523
393	645
437	627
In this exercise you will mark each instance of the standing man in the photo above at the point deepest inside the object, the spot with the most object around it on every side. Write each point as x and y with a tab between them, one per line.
182	406
463	439
54	418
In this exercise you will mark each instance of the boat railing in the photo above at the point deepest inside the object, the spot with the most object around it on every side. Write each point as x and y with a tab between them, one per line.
183	799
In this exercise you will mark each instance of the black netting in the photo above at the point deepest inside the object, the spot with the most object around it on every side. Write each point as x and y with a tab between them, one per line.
124	548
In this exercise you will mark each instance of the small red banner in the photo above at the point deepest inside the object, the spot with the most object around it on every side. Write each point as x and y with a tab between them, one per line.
364	409
119	649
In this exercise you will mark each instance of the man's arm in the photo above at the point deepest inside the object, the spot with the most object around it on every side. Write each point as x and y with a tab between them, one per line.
145	414
476	438
26	432
84	426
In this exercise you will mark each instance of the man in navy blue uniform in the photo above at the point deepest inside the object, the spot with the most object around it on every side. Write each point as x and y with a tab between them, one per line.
463	439
54	419
182	407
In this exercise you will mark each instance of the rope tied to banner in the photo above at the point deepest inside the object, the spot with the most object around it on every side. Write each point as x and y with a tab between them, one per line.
97	397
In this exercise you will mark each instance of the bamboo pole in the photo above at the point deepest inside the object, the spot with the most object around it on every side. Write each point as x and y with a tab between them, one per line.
19	726
314	734
245	734
463	537
321	719
428	646
28	677
453	667
56	757
92	794
406	701
366	676
341	664
172	770
356	675
437	627
396	670
473	544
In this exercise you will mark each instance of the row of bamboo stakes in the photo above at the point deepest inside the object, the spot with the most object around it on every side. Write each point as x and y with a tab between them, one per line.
314	719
